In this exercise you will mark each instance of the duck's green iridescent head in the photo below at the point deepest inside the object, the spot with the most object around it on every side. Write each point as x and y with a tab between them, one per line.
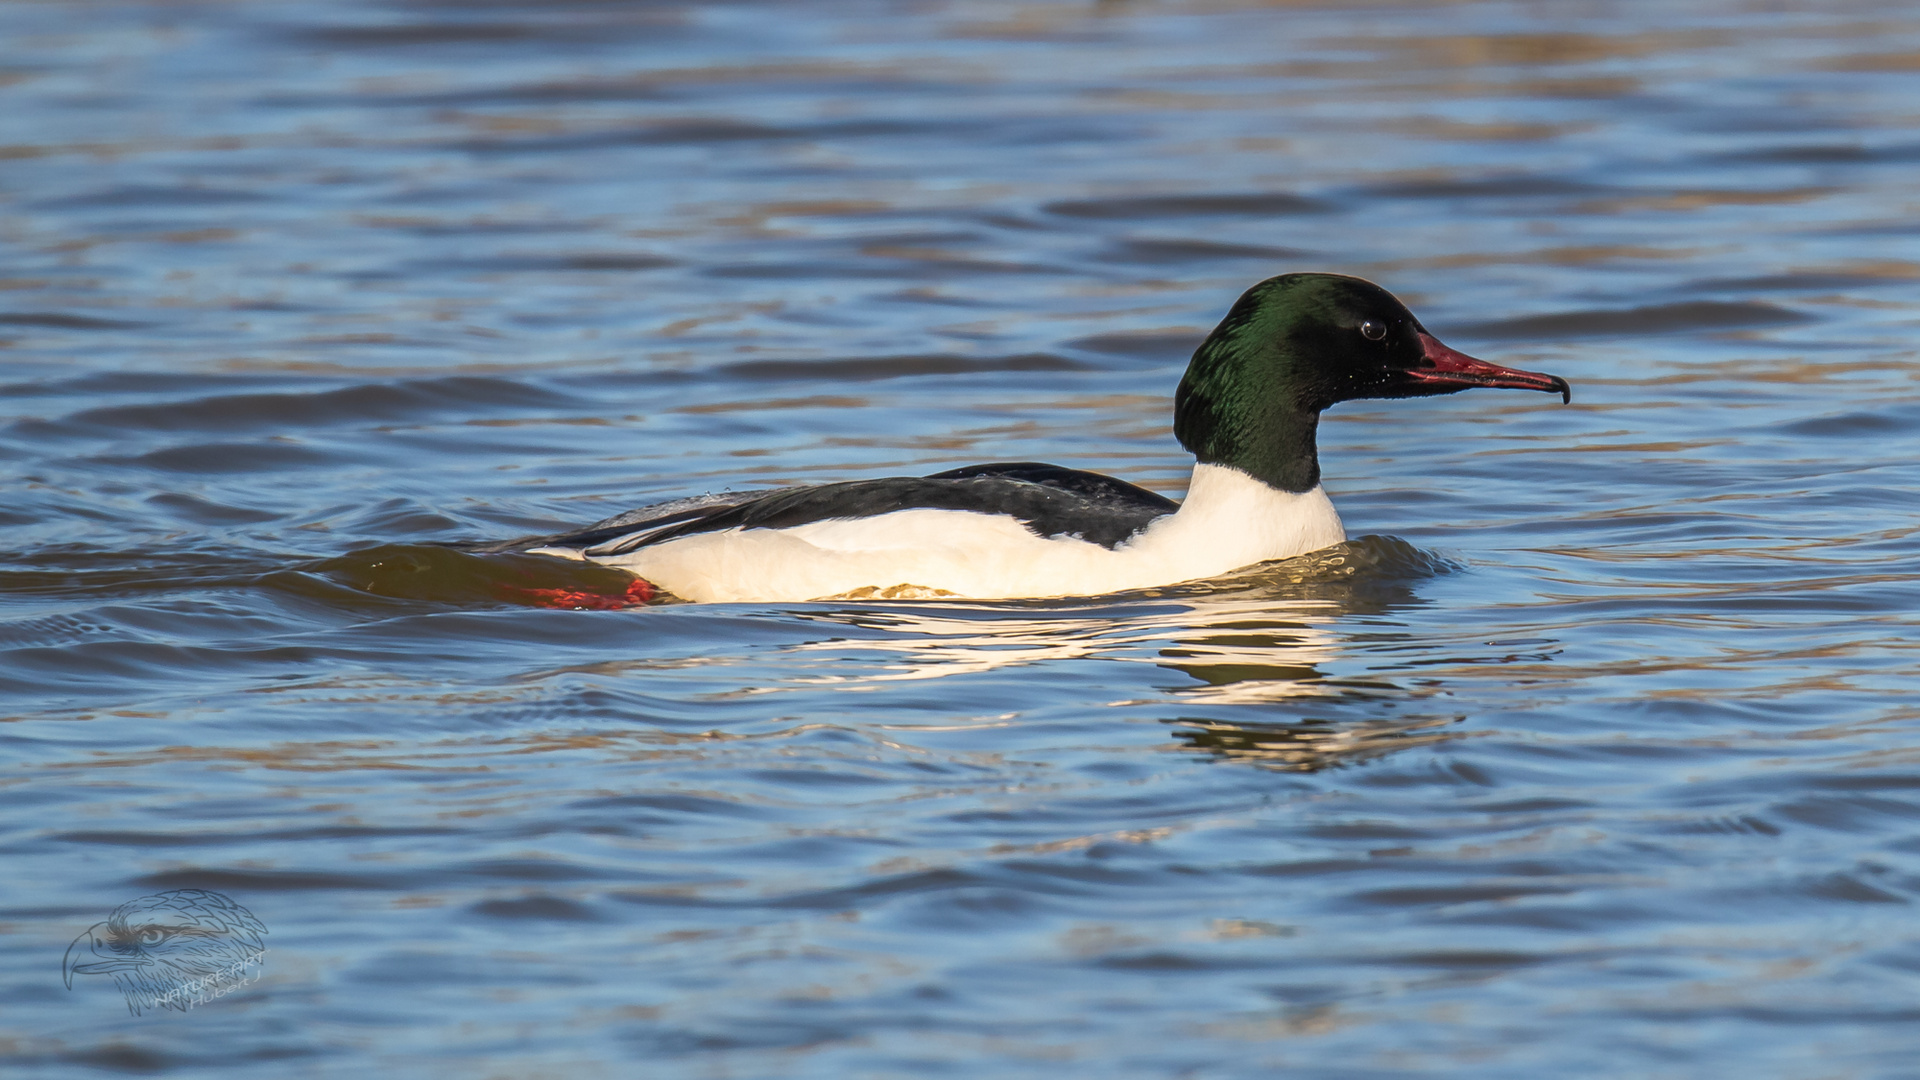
1296	344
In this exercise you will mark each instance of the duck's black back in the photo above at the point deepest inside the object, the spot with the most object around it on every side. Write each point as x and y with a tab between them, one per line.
1050	500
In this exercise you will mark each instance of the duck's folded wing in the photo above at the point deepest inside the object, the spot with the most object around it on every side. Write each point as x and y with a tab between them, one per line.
631	529
1047	499
1097	488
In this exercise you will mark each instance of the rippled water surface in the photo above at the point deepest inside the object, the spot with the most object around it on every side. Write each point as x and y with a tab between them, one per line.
1595	754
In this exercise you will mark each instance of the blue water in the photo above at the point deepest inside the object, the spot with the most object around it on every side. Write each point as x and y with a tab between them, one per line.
1594	754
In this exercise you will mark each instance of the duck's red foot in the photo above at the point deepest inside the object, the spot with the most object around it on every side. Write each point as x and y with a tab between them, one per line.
638	593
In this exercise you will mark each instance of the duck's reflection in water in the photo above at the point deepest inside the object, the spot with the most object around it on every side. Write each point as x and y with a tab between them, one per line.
1309	745
1261	643
939	643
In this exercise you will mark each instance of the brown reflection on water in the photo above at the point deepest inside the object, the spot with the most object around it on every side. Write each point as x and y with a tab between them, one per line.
1546	50
1896	61
462	756
1571	255
1701	199
1437	127
329	756
818	401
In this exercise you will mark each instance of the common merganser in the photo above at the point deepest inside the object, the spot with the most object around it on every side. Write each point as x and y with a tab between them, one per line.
1247	410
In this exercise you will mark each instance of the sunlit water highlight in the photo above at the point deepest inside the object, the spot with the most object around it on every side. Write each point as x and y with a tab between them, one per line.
1594	755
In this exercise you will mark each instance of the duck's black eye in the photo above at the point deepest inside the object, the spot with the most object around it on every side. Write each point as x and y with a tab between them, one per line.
1373	331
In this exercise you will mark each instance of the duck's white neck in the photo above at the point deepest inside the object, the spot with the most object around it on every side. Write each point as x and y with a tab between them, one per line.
1230	520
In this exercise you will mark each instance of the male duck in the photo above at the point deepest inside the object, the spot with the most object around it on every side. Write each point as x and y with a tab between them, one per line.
1247	409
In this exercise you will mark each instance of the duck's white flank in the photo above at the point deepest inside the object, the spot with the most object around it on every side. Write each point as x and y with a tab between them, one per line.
1229	520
